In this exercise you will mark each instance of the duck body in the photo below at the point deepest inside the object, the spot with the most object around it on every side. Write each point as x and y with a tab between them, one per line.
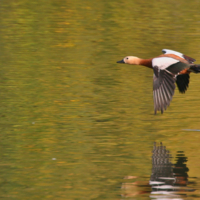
169	68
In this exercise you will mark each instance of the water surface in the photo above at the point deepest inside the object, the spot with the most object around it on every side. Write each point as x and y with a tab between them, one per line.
74	123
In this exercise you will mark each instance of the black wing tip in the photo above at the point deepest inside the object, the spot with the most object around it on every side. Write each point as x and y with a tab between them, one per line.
189	59
161	111
182	82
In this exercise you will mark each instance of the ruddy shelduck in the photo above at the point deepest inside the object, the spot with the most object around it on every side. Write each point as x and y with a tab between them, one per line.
168	68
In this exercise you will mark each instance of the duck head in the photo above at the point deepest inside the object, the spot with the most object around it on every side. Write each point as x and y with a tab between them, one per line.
132	60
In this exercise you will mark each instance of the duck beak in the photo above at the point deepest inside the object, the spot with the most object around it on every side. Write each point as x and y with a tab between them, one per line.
121	61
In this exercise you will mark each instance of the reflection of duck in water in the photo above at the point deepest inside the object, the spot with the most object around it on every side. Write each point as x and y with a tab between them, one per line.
168	68
162	172
180	169
168	178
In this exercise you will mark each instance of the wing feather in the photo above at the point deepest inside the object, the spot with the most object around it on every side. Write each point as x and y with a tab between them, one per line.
167	90
169	84
182	82
164	96
163	89
156	102
168	51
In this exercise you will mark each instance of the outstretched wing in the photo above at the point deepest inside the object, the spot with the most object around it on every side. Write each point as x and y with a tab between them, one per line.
168	51
166	73
163	89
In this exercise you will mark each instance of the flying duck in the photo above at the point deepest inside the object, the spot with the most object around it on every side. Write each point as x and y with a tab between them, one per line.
168	68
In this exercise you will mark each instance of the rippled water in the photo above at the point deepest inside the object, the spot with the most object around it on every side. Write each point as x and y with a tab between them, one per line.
77	125
168	180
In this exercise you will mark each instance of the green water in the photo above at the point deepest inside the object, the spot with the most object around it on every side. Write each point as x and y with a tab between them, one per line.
74	123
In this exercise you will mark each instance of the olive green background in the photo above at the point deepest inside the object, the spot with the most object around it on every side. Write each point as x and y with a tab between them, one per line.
73	122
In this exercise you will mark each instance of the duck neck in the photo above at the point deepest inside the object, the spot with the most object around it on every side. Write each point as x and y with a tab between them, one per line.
146	62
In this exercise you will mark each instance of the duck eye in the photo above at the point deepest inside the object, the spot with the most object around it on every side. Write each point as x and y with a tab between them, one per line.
126	58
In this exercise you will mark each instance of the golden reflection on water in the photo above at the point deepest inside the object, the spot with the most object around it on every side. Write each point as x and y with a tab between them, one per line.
63	96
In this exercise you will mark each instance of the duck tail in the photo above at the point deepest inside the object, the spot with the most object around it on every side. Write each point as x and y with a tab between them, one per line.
195	68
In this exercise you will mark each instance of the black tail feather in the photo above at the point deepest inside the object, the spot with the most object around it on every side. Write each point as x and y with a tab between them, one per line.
195	68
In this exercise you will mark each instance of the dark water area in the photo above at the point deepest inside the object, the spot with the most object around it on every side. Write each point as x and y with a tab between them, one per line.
77	125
